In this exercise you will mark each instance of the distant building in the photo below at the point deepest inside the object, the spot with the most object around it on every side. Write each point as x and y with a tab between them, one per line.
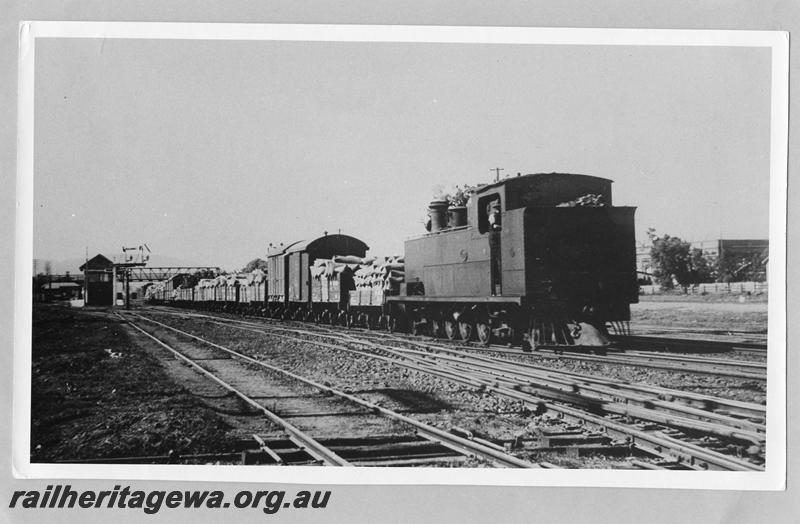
736	255
98	275
59	291
737	259
732	249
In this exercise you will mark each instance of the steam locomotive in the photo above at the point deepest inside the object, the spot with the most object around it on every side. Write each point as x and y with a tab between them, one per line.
540	260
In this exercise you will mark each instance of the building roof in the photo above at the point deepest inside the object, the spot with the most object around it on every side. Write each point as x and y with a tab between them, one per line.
97	262
61	285
280	250
308	245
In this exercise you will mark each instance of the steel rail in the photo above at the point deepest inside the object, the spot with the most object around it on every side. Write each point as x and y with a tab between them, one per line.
451	441
698	360
610	396
306	442
638	360
714	345
645	363
743	409
748	433
597	385
737	405
652	442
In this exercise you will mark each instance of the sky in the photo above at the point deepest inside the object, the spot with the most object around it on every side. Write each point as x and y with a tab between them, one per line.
210	150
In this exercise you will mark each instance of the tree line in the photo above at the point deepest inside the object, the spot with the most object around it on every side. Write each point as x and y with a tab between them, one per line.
675	262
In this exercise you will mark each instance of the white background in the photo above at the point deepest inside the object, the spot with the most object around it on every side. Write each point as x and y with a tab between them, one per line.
409	503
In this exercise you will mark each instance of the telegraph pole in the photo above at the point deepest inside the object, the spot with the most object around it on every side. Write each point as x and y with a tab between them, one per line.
113	286
497	173
85	280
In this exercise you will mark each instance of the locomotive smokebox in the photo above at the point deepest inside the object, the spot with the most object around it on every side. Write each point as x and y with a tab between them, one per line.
437	210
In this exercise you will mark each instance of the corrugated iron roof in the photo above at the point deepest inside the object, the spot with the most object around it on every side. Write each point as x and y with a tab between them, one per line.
280	250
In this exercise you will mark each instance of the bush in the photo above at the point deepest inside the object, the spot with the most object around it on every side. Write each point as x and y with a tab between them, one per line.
675	261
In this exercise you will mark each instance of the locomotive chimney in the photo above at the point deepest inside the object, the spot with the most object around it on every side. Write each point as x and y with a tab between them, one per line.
437	210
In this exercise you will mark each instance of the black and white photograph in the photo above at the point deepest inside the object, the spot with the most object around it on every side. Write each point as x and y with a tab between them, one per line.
388	254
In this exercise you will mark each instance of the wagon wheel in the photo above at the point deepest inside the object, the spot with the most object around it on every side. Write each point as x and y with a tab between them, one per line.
535	337
363	320
436	327
466	328
417	327
391	324
484	332
348	321
450	329
373	321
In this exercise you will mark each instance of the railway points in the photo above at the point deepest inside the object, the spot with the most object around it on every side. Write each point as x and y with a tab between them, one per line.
311	445
717	419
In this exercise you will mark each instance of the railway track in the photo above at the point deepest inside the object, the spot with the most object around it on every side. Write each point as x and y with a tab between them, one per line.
645	357
687	345
725	335
402	450
650	417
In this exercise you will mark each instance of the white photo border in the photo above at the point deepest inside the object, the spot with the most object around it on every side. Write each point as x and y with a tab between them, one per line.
774	476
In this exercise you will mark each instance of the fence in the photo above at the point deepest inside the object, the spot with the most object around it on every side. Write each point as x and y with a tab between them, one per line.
716	288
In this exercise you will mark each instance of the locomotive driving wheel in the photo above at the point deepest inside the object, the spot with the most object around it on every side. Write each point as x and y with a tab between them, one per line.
484	332
466	329
450	329
436	327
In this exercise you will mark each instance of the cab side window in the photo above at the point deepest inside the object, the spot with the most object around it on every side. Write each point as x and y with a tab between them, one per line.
489	213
